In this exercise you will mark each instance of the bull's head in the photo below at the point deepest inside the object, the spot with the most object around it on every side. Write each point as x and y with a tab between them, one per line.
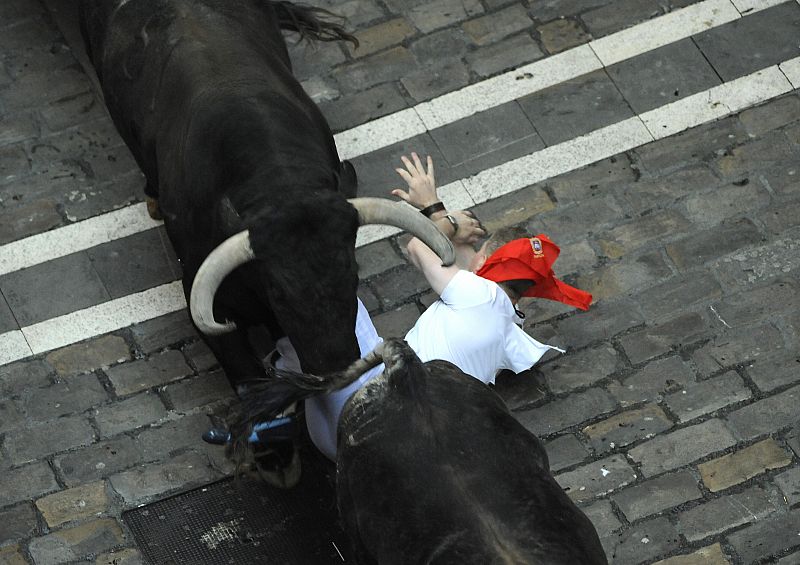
311	277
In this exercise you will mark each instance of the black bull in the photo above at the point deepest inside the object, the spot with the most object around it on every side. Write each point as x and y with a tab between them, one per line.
203	94
433	468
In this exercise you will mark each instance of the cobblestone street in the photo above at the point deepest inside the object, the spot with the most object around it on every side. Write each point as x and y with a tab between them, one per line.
656	142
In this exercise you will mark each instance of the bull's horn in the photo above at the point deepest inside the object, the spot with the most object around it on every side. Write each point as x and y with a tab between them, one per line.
401	215
228	255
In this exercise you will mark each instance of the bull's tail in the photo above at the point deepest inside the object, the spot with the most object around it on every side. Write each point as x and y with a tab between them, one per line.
311	22
266	398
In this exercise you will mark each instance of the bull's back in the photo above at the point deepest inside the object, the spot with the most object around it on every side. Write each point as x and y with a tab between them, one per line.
458	482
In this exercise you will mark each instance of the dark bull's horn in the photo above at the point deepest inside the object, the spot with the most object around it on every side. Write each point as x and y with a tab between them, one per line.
236	251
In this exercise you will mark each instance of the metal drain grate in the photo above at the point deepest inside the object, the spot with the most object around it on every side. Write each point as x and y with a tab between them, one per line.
244	522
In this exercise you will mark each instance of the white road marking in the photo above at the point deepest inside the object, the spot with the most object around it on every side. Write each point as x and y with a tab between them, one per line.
104	318
13	347
74	237
791	69
664	30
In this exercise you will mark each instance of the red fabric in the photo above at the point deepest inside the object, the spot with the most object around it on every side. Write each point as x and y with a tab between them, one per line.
532	259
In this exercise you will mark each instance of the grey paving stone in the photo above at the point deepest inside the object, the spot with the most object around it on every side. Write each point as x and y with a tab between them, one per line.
520	390
431	82
442	13
581	369
142	484
130	414
692	146
162	441
514	208
361	107
789	483
793	559
732	201
550	9
99	460
601	322
25	483
725	513
706	246
484	132
98	196
132	264
662	337
626	276
764	153
18	522
602	516
650	194
652	381
575	107
72	544
780	217
644	541
752	43
72	111
13	161
441	47
775	371
12	11
558	415
562	34
765	416
136	376
70	281
793	438
66	397
7	321
771	115
597	179
16	128
574	258
371	302
619	15
510	54
375	69
698	399
38	440
678	293
657	495
164	331
200	357
570	223
565	451
397	322
663	75
757	303
199	391
759	264
89	355
380	36
673	450
376	258
394	287
767	537
356	12
647	231
16	378
495	26
738	345
597	478
627	427
376	170
28	218
10	416
45	87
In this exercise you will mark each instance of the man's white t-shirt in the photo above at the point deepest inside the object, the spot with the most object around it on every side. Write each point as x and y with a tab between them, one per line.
474	326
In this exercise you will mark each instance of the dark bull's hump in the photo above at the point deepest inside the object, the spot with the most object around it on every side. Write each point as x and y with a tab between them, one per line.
452	474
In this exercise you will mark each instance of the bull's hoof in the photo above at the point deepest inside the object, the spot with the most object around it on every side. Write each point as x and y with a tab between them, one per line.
279	465
152	208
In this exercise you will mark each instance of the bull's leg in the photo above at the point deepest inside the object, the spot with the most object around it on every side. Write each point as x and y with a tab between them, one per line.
152	208
236	358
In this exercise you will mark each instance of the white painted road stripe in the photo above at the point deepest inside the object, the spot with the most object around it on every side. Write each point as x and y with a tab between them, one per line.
513	175
104	318
791	69
74	237
407	123
664	30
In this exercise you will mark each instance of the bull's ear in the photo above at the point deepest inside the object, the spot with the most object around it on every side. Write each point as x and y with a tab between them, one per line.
229	217
347	180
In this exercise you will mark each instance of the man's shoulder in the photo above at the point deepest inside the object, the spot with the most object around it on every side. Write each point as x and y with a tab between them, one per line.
468	287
